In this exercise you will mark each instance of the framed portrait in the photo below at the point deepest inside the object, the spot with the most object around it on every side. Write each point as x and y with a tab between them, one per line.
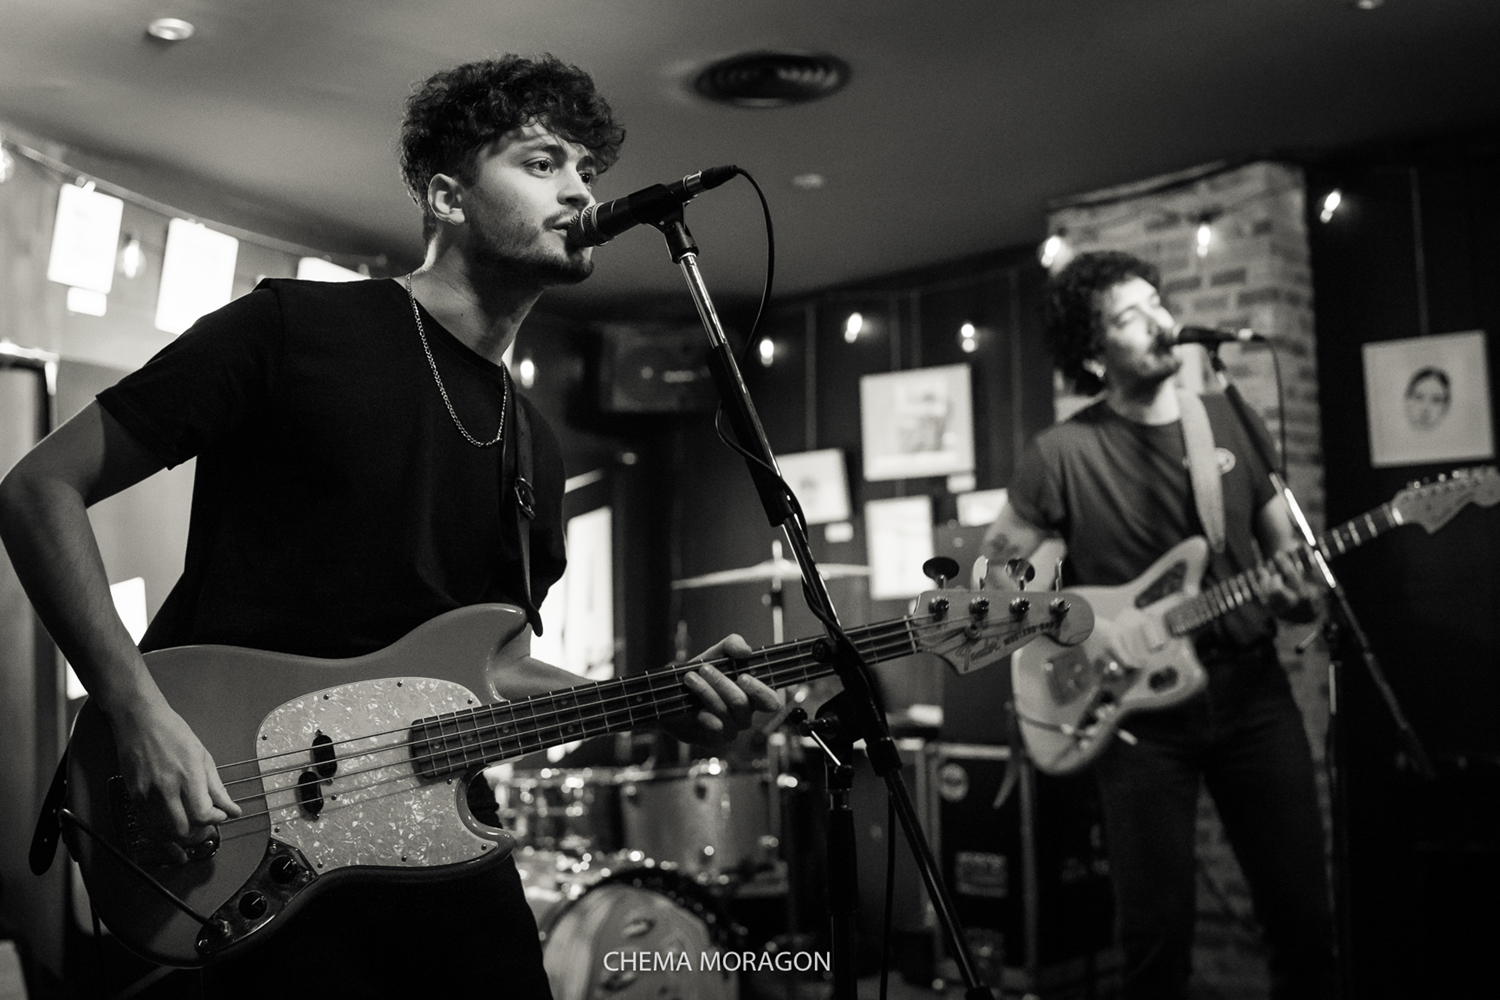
820	482
1428	400
917	423
898	538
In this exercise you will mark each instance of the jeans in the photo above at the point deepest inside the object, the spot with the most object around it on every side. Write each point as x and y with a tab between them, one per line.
1243	738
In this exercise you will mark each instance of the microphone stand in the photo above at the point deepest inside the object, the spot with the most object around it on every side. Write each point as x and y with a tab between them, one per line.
859	716
1344	625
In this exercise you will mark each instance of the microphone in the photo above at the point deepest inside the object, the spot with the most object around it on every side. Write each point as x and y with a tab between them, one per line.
602	222
1210	337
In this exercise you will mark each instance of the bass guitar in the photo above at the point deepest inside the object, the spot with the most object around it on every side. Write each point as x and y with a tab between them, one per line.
337	782
1071	700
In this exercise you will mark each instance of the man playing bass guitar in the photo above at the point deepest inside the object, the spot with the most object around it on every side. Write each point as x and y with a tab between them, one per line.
1116	484
364	465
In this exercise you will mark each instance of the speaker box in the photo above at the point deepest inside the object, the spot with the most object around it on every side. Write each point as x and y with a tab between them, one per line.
653	369
1026	868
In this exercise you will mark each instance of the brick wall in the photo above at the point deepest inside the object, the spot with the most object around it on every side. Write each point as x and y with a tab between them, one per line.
1254	273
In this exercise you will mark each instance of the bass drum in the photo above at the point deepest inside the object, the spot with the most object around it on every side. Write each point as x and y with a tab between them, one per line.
641	934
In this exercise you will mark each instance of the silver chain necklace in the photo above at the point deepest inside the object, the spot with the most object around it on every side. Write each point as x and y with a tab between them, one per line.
504	381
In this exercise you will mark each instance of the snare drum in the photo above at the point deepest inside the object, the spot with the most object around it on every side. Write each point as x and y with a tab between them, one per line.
706	819
641	935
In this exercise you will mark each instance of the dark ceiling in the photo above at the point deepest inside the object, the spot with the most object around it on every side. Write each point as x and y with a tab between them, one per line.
962	119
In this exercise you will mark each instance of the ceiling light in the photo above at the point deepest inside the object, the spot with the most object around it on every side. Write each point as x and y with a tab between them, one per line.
808	182
170	29
132	259
968	338
1330	205
767	352
526	372
1054	251
852	326
1369	4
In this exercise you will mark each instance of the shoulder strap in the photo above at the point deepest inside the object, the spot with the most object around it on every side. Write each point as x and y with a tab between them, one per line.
524	495
1203	467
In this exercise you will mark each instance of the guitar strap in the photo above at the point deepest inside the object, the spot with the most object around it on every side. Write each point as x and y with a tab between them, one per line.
1203	468
525	496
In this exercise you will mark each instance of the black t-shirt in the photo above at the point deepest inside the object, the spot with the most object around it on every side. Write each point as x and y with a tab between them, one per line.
336	506
1119	493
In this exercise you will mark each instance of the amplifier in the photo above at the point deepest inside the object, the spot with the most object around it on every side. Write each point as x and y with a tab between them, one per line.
1025	864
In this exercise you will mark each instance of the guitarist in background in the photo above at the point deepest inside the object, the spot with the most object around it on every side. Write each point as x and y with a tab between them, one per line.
357	476
1113	482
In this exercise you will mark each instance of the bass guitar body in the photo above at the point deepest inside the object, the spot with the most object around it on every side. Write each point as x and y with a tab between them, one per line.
358	769
317	753
1071	699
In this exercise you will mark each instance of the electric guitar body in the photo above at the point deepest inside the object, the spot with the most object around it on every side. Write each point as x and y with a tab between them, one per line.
1070	698
297	835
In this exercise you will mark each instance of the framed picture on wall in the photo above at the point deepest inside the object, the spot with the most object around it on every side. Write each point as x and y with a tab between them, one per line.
917	423
1428	399
898	537
820	482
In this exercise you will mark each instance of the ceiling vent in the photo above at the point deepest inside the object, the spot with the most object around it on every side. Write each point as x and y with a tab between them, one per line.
772	79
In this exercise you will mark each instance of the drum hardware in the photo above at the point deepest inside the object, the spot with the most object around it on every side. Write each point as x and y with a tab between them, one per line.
774	571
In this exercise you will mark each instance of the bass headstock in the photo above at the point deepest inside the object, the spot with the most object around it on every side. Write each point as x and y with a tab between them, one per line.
972	629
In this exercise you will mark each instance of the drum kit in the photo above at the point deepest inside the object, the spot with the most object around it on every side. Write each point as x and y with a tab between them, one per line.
630	860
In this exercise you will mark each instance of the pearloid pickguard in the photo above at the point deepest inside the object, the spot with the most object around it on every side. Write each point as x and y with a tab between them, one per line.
376	810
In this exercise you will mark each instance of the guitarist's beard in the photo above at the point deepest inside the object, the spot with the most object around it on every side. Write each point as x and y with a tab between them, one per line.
1142	383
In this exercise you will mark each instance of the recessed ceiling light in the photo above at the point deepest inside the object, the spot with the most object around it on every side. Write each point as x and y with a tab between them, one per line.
1369	4
808	182
170	29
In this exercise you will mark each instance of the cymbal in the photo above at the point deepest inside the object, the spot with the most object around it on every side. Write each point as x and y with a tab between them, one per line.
772	569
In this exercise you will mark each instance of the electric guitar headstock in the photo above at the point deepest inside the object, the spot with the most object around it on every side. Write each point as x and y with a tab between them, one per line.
1433	504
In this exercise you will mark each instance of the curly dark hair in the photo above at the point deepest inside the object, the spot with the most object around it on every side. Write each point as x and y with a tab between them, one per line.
454	113
1070	309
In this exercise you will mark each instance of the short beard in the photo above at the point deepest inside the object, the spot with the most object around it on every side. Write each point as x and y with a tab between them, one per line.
534	270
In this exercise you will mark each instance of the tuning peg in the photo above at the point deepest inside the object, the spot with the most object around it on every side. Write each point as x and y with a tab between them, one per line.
940	569
1020	572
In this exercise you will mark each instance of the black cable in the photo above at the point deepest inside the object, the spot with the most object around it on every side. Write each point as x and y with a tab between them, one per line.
824	615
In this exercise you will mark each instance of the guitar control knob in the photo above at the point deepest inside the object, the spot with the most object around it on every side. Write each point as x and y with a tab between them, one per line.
284	869
252	905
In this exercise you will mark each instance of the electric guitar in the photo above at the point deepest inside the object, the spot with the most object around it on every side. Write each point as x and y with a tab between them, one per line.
1070	700
337	782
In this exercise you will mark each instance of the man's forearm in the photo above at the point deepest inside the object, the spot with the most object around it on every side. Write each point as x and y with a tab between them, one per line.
45	526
